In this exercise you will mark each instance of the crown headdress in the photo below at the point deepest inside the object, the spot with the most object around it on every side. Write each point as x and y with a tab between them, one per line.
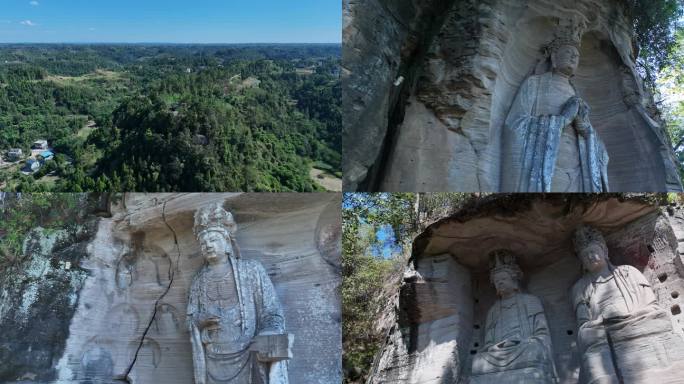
504	260
213	217
585	235
567	32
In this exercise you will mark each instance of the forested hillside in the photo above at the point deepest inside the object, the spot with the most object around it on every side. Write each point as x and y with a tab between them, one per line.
170	118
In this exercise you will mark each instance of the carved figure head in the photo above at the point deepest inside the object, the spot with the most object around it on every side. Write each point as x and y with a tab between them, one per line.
591	248
565	59
214	228
564	49
504	272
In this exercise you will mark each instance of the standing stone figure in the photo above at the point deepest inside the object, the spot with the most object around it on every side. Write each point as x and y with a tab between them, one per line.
549	145
517	345
236	323
624	336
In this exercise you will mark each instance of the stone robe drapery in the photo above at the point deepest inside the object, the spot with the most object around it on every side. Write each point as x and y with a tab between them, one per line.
256	311
623	334
531	144
517	345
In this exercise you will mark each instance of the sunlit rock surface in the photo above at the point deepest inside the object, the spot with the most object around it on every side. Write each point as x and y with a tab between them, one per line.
124	316
436	323
428	86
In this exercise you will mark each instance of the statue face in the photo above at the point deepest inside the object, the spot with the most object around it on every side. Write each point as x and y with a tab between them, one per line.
505	283
215	246
565	59
593	257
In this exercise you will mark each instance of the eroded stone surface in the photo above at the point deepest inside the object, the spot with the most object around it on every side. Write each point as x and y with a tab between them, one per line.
383	43
129	315
442	128
38	300
235	320
624	335
438	326
517	345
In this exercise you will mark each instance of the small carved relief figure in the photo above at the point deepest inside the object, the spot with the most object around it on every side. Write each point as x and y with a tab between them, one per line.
149	354
549	143
624	336
167	320
97	363
236	323
143	266
517	345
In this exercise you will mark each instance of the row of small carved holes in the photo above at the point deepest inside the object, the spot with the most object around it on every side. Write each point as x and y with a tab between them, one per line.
675	309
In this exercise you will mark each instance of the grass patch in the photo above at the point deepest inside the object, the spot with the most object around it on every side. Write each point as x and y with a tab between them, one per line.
99	74
87	129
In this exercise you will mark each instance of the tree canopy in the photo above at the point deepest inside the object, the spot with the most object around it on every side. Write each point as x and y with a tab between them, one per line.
655	26
371	223
172	118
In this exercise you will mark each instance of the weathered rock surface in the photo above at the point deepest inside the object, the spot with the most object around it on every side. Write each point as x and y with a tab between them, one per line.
38	301
438	322
383	43
128	320
441	127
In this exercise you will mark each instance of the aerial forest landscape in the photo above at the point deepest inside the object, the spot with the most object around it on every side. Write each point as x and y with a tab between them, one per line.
201	115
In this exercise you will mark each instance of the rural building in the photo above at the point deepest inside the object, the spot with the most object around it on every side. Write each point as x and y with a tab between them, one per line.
47	155
15	154
32	165
40	144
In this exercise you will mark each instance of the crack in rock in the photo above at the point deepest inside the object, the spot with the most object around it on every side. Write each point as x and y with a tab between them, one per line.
125	377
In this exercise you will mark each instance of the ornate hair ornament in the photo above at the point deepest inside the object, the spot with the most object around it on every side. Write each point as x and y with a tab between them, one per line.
567	32
213	217
585	235
503	260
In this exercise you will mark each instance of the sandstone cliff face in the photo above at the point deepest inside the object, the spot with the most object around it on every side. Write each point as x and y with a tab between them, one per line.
38	300
126	321
437	323
384	41
440	128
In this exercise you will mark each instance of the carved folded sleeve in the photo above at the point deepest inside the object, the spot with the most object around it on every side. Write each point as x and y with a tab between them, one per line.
270	313
532	142
258	311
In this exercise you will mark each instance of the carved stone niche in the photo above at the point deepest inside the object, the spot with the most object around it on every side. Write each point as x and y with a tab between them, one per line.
462	64
441	322
131	321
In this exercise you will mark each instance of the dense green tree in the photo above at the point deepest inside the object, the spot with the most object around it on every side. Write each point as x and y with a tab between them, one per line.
378	229
654	24
173	118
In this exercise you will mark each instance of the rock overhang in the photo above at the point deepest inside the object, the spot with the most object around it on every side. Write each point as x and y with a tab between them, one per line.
538	228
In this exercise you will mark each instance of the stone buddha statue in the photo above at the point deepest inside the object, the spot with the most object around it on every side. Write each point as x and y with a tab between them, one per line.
624	336
236	323
517	345
549	144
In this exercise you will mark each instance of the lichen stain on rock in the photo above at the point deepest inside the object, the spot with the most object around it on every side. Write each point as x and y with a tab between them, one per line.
294	236
38	298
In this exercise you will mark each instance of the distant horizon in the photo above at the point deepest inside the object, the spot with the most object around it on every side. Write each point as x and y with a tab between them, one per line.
171	22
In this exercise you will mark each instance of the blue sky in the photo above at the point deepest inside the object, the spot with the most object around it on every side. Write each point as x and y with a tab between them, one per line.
173	21
389	246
